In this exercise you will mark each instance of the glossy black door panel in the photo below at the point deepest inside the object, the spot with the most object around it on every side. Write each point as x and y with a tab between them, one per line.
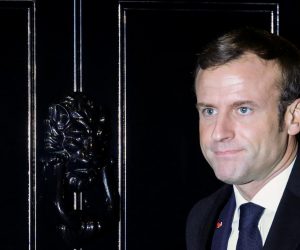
55	72
163	170
17	112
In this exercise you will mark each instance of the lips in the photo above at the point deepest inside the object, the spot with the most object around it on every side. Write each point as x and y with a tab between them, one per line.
227	152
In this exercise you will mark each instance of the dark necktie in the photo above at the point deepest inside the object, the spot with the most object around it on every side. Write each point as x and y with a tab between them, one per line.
249	235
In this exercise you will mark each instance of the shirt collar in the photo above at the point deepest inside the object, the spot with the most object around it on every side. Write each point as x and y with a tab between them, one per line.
270	195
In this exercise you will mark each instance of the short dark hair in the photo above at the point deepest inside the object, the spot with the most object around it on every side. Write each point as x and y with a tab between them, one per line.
268	46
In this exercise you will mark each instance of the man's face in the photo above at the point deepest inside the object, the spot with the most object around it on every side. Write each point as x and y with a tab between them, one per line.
239	126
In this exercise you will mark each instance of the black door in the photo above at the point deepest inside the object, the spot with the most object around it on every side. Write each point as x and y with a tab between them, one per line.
163	171
137	62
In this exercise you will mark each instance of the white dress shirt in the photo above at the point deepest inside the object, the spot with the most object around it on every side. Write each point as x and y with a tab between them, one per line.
268	197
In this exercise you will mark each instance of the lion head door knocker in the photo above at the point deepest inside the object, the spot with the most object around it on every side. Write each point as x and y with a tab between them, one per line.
78	162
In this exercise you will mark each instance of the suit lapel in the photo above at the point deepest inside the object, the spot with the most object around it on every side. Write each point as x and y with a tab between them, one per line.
206	234
285	230
223	227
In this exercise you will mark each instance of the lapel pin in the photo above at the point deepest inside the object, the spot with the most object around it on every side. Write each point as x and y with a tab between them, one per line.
219	224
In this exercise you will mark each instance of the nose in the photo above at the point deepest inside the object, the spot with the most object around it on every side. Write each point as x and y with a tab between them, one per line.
223	129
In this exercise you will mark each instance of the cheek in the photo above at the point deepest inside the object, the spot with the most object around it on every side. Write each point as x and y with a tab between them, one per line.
262	136
203	134
205	139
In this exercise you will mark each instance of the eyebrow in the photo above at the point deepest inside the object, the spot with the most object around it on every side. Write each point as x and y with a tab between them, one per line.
233	105
204	105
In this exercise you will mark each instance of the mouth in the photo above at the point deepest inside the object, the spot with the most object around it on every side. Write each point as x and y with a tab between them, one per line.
227	152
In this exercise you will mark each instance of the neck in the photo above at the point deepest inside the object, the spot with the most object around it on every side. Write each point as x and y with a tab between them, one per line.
249	190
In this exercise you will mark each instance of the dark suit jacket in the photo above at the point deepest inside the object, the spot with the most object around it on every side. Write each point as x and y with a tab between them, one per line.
284	233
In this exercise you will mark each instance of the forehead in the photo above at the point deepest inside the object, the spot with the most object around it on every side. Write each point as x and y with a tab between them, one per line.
247	77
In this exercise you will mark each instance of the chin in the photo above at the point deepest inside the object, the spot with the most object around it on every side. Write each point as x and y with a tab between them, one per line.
232	179
224	177
227	175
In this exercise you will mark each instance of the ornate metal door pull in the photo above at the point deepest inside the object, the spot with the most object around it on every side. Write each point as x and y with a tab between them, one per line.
77	166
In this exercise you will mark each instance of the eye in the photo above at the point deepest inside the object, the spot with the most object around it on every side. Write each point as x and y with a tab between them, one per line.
245	110
208	112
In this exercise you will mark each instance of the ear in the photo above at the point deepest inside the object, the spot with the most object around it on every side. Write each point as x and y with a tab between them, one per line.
292	118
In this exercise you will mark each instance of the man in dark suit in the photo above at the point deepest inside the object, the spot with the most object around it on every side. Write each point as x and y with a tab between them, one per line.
248	89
